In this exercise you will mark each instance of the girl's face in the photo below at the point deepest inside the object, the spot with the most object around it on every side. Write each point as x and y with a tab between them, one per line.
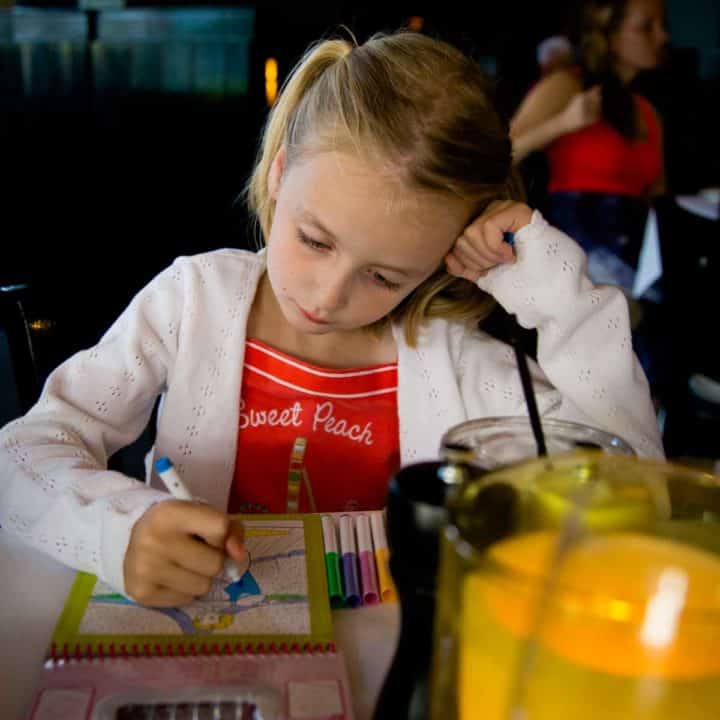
348	243
640	41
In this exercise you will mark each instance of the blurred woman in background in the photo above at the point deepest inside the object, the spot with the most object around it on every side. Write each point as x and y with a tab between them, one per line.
603	142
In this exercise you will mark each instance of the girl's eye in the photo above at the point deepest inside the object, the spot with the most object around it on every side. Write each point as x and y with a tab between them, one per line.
313	244
382	280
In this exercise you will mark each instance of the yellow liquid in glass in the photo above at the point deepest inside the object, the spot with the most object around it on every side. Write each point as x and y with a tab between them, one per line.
621	638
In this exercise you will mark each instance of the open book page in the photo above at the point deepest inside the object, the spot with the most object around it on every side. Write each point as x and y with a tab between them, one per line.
281	597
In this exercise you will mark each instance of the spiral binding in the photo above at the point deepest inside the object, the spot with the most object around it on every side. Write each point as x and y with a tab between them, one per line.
67	652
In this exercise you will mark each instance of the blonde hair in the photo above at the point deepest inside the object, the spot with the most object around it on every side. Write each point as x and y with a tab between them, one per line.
413	104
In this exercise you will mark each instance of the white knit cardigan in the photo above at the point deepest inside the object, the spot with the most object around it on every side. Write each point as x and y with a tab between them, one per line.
183	336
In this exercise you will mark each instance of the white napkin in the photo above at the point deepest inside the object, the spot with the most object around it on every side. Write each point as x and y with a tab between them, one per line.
705	204
650	262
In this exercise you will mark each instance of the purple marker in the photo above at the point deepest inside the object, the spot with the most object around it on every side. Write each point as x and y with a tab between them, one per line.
349	562
368	575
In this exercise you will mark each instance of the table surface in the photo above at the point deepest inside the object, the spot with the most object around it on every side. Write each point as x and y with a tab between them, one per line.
34	589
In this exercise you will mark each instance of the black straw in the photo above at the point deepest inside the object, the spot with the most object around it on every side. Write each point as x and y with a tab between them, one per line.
528	388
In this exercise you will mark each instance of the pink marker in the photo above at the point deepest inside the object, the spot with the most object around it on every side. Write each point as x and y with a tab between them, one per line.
368	575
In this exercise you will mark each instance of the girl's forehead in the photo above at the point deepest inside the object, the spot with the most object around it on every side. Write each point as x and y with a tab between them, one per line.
335	182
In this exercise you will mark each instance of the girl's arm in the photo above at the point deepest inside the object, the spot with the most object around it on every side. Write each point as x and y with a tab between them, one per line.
56	492
555	106
584	341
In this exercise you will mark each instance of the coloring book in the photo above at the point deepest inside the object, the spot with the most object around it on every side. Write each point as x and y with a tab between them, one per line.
261	645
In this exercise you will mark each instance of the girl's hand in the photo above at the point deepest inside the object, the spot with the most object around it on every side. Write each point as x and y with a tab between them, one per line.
582	110
176	548
481	245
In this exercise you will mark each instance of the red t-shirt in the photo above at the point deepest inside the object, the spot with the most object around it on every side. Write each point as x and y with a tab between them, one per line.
598	158
310	431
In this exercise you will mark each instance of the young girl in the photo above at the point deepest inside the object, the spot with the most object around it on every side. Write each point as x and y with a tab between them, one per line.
303	376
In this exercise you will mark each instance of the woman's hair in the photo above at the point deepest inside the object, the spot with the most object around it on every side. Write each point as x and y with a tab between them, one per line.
412	105
599	20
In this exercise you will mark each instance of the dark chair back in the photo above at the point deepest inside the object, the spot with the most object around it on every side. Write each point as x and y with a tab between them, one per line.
690	248
18	356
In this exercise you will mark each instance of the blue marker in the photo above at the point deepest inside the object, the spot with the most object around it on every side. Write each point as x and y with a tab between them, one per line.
169	475
247	585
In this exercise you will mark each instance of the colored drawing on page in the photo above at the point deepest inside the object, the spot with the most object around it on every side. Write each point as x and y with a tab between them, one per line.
271	598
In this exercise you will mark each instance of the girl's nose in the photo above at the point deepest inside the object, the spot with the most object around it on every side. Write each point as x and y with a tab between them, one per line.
332	293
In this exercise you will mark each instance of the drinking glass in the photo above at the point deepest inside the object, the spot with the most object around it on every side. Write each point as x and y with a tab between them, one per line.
580	586
498	441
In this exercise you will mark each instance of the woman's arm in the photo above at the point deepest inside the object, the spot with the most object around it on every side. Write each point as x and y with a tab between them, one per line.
556	106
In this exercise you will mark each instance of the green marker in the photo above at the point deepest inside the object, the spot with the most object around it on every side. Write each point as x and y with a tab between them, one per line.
332	563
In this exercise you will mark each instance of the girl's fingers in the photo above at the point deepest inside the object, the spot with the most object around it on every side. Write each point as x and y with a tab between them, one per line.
495	241
467	255
202	520
478	244
504	216
500	251
196	556
485	255
479	261
235	547
164	597
183	581
455	267
487	237
146	581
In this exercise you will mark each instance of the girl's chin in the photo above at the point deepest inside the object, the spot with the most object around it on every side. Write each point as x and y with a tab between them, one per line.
307	327
299	322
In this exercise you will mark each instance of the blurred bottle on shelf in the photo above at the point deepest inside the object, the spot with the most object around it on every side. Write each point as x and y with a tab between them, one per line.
173	50
43	53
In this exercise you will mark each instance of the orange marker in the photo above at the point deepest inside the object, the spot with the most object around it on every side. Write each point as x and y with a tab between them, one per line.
382	556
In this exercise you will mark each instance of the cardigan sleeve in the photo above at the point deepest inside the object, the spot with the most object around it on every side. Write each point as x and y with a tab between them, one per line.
56	492
584	340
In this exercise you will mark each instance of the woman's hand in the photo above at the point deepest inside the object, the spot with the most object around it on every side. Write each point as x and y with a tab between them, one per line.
482	245
582	110
176	548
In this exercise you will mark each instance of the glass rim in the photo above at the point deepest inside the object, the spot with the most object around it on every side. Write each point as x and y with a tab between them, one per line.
557	424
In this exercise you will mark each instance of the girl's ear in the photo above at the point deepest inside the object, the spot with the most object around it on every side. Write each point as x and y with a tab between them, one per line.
276	172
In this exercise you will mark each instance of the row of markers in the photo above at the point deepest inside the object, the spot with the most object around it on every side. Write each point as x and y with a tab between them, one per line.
357	567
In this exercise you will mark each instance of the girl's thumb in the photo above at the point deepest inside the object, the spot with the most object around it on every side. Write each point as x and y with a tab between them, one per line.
235	542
